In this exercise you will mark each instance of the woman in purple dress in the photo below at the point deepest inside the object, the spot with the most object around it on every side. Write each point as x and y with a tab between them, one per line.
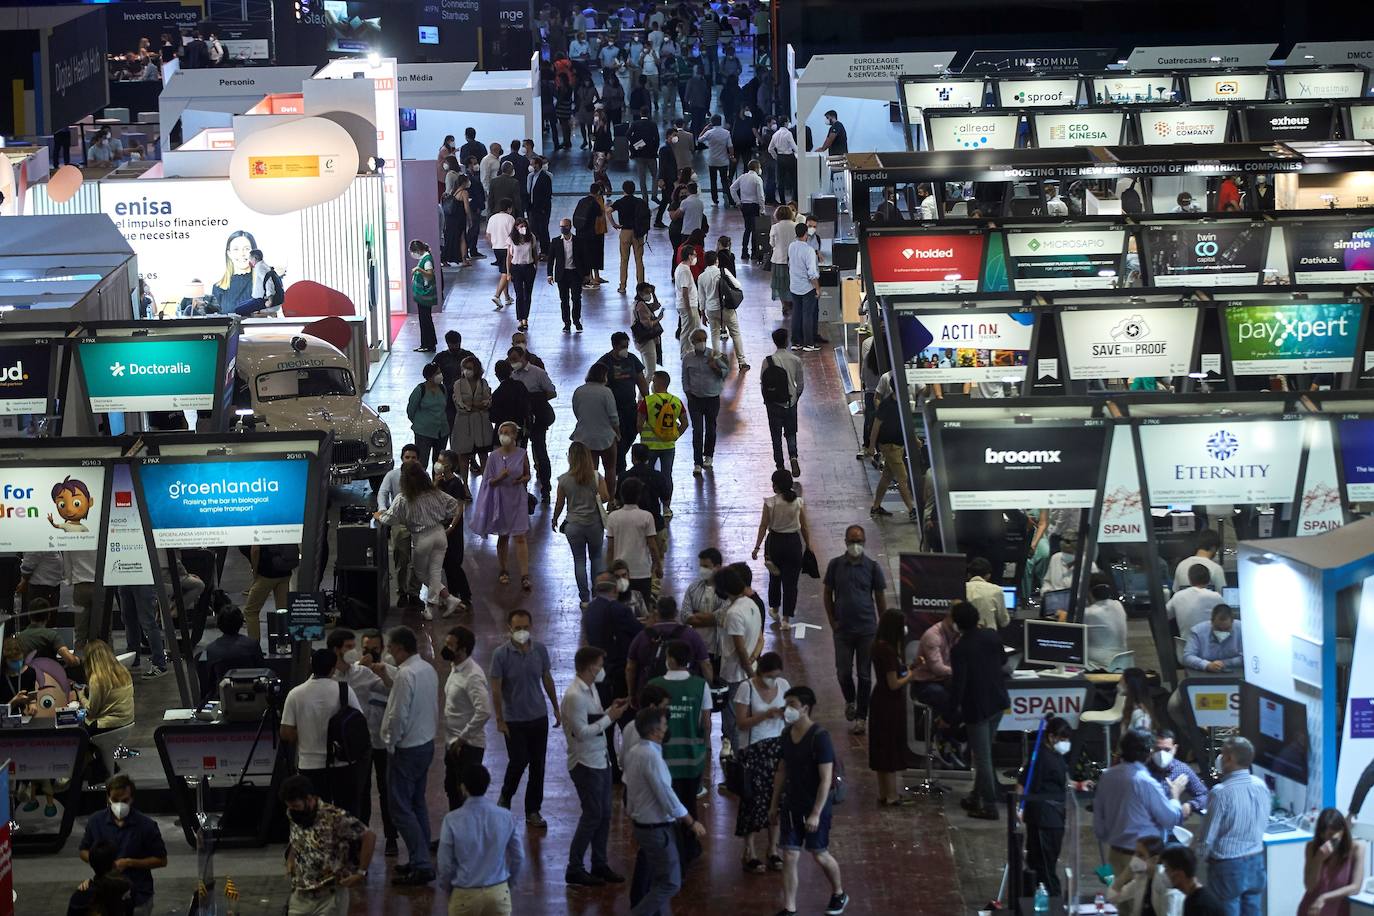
502	506
1333	867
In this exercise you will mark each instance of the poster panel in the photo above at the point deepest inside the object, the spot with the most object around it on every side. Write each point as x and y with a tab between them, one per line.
1331	252
949	133
1362	122
994	466
1123	517
1240	462
126	546
150	373
1289	122
1078	128
1133	90
954	93
966	347
26	377
225	501
1293	337
1324	84
51	505
1184	125
1228	87
1128	343
930	584
1320	509
1214	254
1039	93
1054	260
925	263
1357	458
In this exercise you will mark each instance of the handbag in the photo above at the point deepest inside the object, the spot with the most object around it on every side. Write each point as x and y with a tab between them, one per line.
643	333
731	296
809	564
736	773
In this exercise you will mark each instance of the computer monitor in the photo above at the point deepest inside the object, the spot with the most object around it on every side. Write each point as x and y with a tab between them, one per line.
1231	597
1057	644
1277	726
1060	599
1009	594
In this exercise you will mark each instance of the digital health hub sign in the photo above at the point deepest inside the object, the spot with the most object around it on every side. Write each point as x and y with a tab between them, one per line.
225	501
150	373
1293	337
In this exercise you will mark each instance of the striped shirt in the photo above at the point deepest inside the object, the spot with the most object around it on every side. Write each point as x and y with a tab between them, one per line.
1237	815
431	510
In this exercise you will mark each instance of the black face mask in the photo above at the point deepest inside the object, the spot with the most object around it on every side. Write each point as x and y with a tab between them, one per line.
722	594
447	654
304	819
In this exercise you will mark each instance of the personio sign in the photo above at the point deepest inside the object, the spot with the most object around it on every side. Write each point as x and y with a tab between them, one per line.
1211	57
76	80
225	501
149	373
1047	464
1293	337
1239	462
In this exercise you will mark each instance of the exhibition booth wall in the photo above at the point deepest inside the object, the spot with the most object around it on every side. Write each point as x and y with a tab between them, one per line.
449	98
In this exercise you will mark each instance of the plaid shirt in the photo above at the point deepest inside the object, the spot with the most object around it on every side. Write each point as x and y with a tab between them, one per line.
326	849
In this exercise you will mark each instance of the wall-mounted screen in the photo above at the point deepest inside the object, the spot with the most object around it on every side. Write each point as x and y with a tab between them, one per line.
150	373
1228	87
1212	254
1041	93
1128	343
1324	84
1277	727
999	466
1331	252
1357	458
1184	125
354	26
1078	128
26	377
51	505
1293	337
944	94
926	262
948	133
1133	90
1362	121
1055	260
225	500
1289	122
981	346
1239	462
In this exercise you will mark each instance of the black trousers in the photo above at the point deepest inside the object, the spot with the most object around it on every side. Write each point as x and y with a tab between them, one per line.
703	412
688	846
570	293
629	431
1042	855
723	173
787	178
428	339
337	785
453	567
456	760
750	212
527	745
539	225
365	800
539	444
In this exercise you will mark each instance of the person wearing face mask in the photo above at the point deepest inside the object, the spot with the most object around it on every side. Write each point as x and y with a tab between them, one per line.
703	377
371	680
1129	806
327	852
409	727
542	393
690	315
587	724
689	735
568	270
455	578
855	596
632	536
609	625
887	710
1105	618
471	438
628	384
647	326
583	491
803	272
447	149
1147	891
759	709
520	669
1045	796
502	504
1214	646
1333	867
467	709
626	593
1165	767
647	656
305	719
135	836
1059	572
702	608
1232	835
522	258
654	809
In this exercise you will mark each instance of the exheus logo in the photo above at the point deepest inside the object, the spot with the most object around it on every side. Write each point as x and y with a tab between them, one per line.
1042	456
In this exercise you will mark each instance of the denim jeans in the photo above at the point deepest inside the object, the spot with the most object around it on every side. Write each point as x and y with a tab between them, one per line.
703	412
662	871
1238	884
851	650
662	458
594	826
980	738
406	777
138	605
805	313
586	542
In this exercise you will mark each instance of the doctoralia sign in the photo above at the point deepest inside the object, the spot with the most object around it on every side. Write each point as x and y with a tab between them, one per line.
925	263
1293	337
150	373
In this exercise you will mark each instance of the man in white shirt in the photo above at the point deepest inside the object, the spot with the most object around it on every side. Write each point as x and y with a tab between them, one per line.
490	166
1208	546
408	728
1059	572
585	722
407	580
499	226
929	213
749	193
467	708
1054	204
783	147
632	536
719	152
804	284
354	665
691	210
988	598
688	296
305	724
743	627
1193	605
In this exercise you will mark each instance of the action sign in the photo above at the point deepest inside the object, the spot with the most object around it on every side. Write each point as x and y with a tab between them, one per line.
222	501
966	346
51	506
149	373
1293	337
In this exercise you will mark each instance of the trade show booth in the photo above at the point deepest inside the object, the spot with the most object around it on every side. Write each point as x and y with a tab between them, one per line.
442	99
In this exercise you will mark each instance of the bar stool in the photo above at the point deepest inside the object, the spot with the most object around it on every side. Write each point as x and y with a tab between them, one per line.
929	786
1106	718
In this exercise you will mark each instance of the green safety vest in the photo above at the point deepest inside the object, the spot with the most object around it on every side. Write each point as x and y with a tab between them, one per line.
662	413
684	749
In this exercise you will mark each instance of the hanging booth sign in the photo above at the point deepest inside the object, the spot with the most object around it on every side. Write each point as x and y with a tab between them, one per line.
1210	57
1123	517
1128	343
1078	128
974	346
1357	458
1241	462
950	93
925	262
951	132
1323	84
930	584
1207	254
1053	464
26	377
1132	90
1331	252
1289	122
126	546
1040	60
1184	125
51	505
1037	93
1293	337
1320	508
1362	121
150	373
1054	259
225	500
1228	87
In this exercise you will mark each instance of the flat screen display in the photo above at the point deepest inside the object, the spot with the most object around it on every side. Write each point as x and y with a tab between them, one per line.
51	506
1362	122
996	466
944	94
1056	643
903	265
1179	254
1054	260
1240	462
1078	128
1228	87
1289	122
1184	125
950	133
1293	337
1128	343
1133	90
352	25
150	373
966	347
429	34
1331	252
26	381
1324	84
1042	93
1277	726
225	500
1357	458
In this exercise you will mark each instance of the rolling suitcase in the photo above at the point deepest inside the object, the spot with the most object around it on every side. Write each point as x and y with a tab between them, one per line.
620	150
763	227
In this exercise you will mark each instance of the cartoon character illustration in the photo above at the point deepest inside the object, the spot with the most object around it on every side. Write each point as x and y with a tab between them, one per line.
52	690
73	501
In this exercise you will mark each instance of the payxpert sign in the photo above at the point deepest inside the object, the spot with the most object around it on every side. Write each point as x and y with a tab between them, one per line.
1293	337
1241	463
140	374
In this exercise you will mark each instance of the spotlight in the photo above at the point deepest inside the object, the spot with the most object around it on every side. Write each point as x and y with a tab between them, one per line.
375	163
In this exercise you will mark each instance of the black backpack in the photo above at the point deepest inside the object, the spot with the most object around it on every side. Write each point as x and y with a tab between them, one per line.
348	739
659	640
277	561
1130	200
278	295
776	385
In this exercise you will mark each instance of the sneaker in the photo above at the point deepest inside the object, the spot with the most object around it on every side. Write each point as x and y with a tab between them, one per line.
453	605
696	470
773	613
837	904
850	712
725	749
877	511
811	348
706	461
797	348
914	515
536	820
578	326
499	304
426	613
701	790
743	366
667	514
567	329
581	878
153	671
859	727
608	874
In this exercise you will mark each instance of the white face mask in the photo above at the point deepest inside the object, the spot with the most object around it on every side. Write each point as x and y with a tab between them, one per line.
705	572
120	810
791	714
1216	765
470	373
352	656
520	637
1062	748
1163	759
770	682
507	438
699	346
1221	635
1139	866
622	352
854	550
600	676
622	585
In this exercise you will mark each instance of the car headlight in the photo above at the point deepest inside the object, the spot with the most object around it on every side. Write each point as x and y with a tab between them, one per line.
380	439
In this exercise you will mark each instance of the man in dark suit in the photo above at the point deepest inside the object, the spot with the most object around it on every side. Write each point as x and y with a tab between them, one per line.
231	650
539	187
644	144
521	167
473	147
566	270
